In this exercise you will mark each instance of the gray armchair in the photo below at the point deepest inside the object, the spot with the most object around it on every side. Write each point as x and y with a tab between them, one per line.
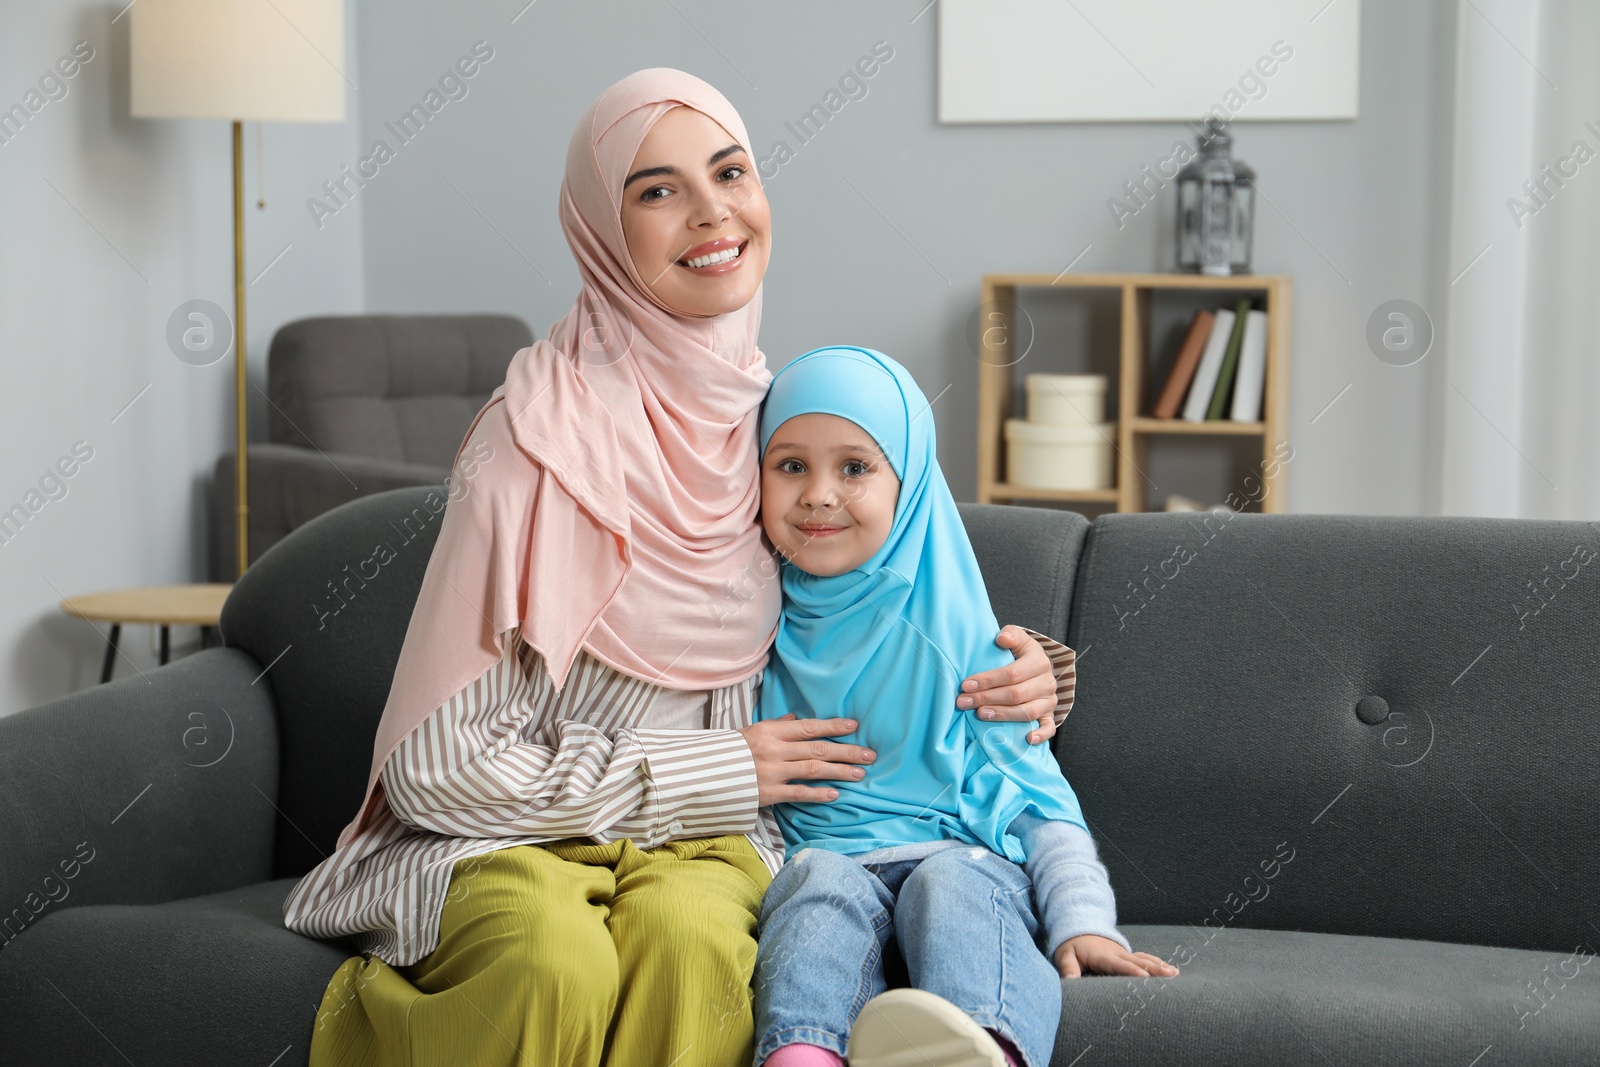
360	404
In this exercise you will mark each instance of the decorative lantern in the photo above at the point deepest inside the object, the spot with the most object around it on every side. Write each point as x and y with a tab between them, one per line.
1216	202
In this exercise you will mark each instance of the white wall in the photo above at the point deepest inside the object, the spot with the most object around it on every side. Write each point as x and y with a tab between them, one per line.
108	223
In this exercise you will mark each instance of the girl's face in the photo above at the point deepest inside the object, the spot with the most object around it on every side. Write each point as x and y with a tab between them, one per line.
691	199
827	493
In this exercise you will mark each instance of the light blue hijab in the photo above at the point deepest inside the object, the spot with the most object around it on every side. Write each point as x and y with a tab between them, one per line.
889	643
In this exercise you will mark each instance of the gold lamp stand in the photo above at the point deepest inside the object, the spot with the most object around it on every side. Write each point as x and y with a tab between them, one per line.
241	438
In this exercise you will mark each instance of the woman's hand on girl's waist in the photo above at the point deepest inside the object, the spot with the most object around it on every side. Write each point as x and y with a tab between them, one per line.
789	748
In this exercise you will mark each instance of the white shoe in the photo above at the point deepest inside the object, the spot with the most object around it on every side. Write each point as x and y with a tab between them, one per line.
915	1028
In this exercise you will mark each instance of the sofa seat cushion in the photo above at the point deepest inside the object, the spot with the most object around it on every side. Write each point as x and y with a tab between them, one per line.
203	981
1277	997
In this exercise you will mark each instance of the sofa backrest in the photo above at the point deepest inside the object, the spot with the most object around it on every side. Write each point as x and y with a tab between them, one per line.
1029	559
1356	725
330	619
398	387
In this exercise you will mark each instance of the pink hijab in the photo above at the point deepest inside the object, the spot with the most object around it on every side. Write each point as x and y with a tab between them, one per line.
624	444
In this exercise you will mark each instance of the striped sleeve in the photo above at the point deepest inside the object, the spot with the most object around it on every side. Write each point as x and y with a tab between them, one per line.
700	783
1064	665
493	761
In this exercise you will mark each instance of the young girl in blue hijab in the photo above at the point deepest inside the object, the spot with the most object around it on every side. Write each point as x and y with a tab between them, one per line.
958	825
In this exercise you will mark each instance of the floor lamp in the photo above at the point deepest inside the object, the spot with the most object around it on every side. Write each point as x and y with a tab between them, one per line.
244	60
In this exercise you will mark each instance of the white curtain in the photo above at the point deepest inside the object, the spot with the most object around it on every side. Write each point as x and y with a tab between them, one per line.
1521	408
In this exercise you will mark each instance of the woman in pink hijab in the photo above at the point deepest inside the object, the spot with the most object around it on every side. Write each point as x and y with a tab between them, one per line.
565	839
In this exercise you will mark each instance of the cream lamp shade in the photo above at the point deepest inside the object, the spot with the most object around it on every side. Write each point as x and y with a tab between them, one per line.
256	60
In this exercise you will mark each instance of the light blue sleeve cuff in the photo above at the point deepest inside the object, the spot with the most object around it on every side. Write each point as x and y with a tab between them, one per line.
1070	885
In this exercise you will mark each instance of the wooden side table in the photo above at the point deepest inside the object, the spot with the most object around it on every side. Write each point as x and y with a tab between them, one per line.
155	605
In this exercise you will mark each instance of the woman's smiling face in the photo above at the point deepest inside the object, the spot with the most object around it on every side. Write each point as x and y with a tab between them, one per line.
691	199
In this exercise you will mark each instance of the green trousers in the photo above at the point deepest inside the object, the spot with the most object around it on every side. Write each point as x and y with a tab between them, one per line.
569	954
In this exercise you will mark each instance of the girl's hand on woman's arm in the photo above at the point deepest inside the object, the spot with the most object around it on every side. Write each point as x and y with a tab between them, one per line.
787	747
1024	690
1086	953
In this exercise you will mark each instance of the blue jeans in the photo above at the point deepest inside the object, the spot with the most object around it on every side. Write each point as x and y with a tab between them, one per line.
964	922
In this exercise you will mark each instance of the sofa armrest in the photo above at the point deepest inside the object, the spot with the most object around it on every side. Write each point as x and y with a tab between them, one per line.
139	791
290	486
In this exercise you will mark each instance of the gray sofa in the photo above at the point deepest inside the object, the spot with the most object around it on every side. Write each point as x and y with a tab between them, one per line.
359	404
1340	769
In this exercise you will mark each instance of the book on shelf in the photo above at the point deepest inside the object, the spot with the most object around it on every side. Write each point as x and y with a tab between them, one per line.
1230	362
1205	377
1247	390
1183	367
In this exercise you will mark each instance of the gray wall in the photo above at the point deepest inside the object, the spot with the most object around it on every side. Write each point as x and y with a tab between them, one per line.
883	226
107	224
1356	210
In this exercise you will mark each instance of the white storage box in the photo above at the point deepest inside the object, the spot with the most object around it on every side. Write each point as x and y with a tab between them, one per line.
1042	456
1066	399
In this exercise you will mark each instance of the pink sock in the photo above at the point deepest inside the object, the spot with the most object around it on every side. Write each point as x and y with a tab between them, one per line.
1013	1057
803	1056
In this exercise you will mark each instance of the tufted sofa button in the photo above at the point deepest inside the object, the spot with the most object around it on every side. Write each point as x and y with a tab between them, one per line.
1372	709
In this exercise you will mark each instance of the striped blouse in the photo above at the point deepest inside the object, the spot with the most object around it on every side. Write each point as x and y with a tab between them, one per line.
510	760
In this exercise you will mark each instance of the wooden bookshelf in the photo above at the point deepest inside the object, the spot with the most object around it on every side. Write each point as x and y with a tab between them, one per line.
1137	371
